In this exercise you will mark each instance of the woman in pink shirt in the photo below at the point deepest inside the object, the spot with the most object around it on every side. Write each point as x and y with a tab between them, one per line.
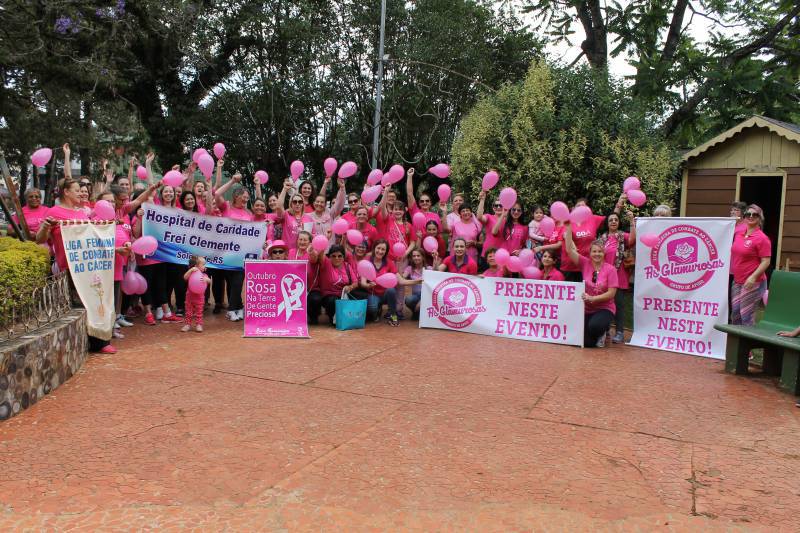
750	257
378	296
237	210
600	280
618	244
425	201
466	226
458	263
336	277
510	227
412	277
490	241
549	266
303	253
494	270
362	224
294	219
33	212
322	217
307	192
583	235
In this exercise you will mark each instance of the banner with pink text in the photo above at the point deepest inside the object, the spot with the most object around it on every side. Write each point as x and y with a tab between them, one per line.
275	299
681	287
531	310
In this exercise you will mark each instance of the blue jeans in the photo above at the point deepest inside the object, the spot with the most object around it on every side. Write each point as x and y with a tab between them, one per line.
375	302
412	301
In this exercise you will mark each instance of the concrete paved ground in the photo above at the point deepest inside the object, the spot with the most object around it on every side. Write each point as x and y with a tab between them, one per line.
399	428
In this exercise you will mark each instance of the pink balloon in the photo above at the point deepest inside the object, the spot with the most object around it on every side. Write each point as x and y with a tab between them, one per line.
296	169
386	180
419	220
330	165
444	192
371	194
219	150
398	249
130	285
366	270
374	177
430	244
354	237
206	164
340	226
41	157
501	256
197	283
490	179
527	257
508	197
637	197
440	171
141	283
547	226
648	239
320	243
630	183
531	272
559	211
580	214
173	178
262	176
103	210
197	153
141	172
144	245
397	172
387	281
514	264
347	169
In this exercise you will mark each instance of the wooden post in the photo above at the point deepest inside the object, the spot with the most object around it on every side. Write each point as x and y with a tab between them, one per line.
12	191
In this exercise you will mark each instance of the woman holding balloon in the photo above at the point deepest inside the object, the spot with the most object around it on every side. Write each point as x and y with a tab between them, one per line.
600	280
321	216
425	202
293	219
618	244
584	225
378	276
494	270
491	241
197	281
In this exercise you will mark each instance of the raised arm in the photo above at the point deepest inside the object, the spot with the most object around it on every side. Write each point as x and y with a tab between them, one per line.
572	251
382	204
131	164
632	232
499	224
410	187
443	209
218	195
338	203
287	185
67	161
218	182
481	206
257	188
142	198
148	165
620	203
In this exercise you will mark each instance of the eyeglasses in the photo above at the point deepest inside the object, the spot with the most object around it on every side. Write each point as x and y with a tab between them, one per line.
497	206
276	252
516	210
750	214
594	276
336	256
353	200
424	201
297	201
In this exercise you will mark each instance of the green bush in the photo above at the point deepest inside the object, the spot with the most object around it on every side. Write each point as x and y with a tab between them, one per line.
24	266
561	134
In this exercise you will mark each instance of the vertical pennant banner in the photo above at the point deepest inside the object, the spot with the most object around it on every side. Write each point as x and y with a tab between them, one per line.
275	299
90	253
681	288
526	309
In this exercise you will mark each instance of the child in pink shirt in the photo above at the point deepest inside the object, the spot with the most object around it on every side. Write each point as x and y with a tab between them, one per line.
195	301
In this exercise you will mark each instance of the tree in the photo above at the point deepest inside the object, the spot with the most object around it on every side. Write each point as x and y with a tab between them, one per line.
562	134
753	48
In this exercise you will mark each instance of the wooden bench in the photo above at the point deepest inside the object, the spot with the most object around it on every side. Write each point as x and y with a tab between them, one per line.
781	354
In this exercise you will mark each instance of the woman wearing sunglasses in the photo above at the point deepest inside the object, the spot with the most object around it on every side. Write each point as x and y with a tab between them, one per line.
336	277
600	280
425	202
618	244
750	257
294	218
33	212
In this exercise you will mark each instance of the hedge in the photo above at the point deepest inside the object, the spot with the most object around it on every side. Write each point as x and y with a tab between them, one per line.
24	266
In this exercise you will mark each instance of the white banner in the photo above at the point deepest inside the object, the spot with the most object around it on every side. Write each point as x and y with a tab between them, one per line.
89	248
531	310
681	288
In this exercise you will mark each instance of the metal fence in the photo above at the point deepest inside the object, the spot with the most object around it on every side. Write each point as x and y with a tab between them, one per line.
43	305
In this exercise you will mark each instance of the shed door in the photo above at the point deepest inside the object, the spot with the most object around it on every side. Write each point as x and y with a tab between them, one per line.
767	193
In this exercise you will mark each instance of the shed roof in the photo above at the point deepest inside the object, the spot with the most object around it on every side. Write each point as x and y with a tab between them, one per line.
784	129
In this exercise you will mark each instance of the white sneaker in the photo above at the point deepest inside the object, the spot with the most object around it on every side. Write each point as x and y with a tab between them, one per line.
232	316
122	322
601	342
117	334
159	313
240	314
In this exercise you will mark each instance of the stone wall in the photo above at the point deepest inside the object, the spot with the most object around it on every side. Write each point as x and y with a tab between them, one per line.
34	364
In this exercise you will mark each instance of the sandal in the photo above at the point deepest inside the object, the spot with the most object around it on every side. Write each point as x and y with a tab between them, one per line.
392	321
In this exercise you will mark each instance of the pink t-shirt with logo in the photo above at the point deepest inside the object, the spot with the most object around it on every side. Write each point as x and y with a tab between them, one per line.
332	279
393	231
746	254
606	279
612	246
519	234
492	241
292	226
583	235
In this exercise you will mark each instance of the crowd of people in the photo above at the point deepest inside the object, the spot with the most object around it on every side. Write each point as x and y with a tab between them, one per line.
599	251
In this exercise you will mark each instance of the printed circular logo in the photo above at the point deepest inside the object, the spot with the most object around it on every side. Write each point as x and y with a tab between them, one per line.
456	302
684	258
